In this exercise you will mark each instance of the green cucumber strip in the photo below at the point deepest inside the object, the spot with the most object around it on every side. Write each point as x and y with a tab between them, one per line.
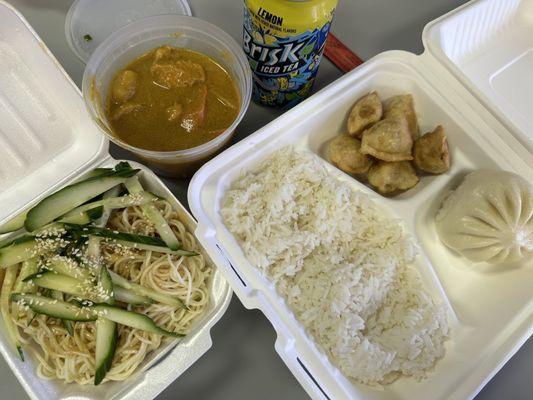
17	223
102	221
29	267
132	319
141	242
106	286
82	217
69	325
127	296
112	203
93	245
65	284
152	213
14	224
144	291
106	331
54	308
69	267
19	238
12	332
19	252
106	344
54	229
72	196
116	235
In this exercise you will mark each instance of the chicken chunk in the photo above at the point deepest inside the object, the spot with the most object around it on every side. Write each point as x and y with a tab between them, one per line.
388	140
177	74
124	86
365	113
194	114
431	152
403	106
389	178
161	53
125	109
345	154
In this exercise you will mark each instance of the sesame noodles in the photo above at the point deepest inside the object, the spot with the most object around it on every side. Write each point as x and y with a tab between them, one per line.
71	358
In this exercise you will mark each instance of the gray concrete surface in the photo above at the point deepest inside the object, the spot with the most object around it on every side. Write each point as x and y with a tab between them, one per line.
242	363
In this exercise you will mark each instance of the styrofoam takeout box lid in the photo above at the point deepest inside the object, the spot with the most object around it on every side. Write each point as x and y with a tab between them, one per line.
90	22
488	46
46	141
46	135
486	332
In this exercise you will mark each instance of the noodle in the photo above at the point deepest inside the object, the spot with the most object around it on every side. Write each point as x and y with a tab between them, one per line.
71	358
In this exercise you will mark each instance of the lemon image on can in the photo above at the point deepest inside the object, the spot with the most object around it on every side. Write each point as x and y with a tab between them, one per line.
284	41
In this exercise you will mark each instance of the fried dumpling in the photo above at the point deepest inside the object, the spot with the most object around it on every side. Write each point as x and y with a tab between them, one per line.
388	140
365	113
403	106
345	154
431	152
391	177
489	218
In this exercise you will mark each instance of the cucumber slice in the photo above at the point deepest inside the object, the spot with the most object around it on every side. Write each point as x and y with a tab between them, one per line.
20	251
66	284
83	217
106	332
106	286
11	329
127	296
69	325
72	196
102	221
55	308
132	319
152	213
141	242
147	292
17	223
14	224
111	204
29	267
69	267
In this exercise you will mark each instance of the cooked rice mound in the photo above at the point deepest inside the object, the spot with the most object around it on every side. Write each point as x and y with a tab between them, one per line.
341	264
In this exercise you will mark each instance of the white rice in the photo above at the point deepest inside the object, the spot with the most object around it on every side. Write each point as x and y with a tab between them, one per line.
341	265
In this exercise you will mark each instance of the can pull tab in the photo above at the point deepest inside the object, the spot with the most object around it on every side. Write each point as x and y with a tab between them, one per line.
340	55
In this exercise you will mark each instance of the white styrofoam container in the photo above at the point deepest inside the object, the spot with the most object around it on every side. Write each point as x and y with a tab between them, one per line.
490	314
46	141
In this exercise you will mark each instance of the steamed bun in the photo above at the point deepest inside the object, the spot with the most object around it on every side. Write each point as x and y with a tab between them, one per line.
489	218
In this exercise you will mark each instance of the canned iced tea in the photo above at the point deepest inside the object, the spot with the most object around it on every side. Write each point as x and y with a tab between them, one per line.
284	41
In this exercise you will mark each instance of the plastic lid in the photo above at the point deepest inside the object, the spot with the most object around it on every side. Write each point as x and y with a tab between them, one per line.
90	22
46	134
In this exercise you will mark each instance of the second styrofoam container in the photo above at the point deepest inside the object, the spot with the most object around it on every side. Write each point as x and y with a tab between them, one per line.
485	331
47	140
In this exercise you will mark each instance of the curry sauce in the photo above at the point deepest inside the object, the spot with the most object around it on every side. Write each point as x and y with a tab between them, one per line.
171	99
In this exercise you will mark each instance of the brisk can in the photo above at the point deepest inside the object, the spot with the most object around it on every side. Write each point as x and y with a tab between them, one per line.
284	41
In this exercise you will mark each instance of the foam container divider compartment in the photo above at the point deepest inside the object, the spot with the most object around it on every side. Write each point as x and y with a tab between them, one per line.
485	331
51	141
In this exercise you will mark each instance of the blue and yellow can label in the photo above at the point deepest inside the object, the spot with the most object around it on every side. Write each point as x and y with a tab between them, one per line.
284	41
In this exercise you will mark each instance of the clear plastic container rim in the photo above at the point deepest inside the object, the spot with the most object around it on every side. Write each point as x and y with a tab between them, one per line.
192	24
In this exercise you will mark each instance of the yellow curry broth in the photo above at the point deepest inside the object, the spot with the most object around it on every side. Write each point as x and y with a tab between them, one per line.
171	99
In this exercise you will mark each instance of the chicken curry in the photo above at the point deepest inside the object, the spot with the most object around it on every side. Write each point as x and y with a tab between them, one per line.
171	99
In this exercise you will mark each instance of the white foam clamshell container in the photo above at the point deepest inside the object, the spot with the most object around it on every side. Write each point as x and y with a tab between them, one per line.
474	56
47	140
